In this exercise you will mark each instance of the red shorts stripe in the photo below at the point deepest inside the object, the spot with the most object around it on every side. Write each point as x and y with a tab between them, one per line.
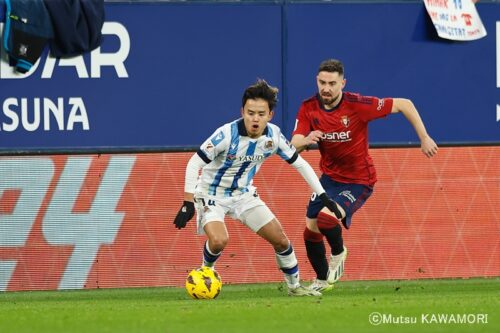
326	221
312	236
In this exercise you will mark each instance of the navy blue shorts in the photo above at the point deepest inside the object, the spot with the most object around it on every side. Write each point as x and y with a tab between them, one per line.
349	196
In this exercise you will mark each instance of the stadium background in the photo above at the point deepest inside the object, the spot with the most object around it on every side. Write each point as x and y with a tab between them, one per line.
92	207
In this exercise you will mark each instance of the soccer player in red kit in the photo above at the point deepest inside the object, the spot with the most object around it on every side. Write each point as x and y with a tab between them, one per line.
338	122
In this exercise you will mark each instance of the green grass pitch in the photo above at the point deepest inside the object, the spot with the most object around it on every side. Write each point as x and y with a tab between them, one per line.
260	308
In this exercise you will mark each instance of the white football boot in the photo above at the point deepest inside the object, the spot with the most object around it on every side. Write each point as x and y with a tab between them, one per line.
302	291
320	285
336	266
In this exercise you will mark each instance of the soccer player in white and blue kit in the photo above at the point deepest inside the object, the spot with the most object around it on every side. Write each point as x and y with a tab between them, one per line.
229	160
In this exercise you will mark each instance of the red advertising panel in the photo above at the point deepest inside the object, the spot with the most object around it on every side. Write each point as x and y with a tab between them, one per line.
105	221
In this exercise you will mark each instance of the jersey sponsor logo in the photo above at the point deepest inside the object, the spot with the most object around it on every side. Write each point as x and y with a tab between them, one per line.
345	121
252	158
337	136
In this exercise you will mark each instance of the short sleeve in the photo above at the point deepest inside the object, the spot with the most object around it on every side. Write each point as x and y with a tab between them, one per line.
214	145
302	122
286	150
376	108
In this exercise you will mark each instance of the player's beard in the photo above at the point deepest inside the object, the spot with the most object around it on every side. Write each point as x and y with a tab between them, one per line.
329	101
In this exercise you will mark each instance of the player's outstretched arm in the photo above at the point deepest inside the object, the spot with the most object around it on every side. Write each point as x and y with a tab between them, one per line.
301	142
310	177
408	109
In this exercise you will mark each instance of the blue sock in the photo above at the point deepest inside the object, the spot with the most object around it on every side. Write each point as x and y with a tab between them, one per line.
209	258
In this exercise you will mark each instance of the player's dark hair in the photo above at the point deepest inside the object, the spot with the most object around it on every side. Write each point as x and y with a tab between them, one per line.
332	66
261	89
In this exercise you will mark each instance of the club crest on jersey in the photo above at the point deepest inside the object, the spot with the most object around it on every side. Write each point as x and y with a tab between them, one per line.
231	157
345	121
268	145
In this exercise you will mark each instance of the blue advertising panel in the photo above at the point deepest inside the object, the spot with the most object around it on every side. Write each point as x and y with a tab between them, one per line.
392	50
165	75
169	74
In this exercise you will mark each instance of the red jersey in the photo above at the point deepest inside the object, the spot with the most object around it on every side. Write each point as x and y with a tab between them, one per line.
344	146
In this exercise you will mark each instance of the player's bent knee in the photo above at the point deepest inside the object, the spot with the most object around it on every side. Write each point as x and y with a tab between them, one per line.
327	221
281	244
217	244
276	237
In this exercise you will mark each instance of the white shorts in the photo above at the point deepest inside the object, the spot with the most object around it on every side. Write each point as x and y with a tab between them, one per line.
247	208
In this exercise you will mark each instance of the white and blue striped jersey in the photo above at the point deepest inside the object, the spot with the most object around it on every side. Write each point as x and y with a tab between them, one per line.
233	158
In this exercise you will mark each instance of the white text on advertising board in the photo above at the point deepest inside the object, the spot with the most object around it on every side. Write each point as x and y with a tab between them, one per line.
36	180
65	113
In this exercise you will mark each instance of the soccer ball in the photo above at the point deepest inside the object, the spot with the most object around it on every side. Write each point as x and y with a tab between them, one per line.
203	283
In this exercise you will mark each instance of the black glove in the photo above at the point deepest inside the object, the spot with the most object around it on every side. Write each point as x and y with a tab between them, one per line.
331	205
185	214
